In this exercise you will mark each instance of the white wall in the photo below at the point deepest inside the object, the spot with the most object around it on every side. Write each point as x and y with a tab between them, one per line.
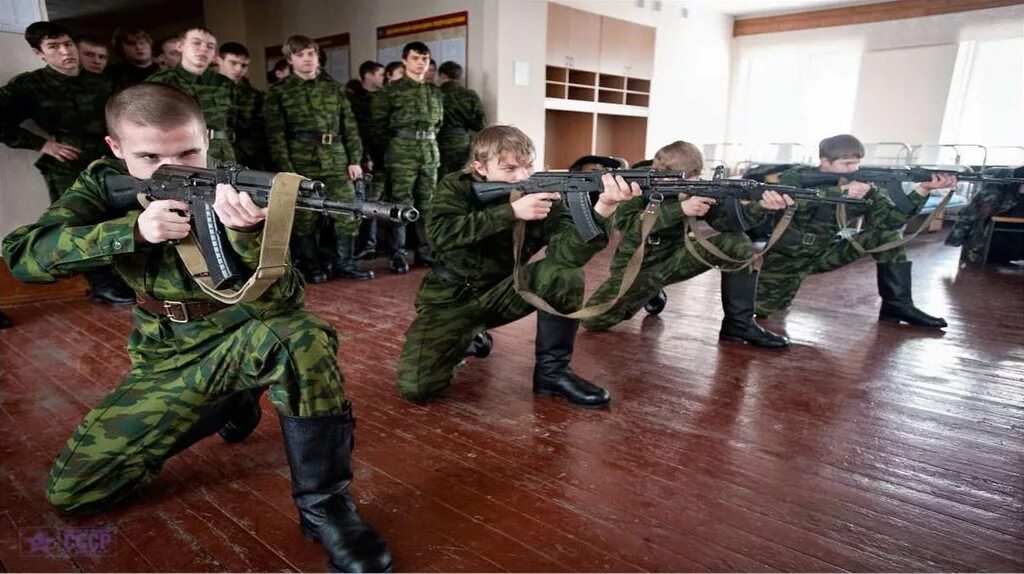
907	72
23	194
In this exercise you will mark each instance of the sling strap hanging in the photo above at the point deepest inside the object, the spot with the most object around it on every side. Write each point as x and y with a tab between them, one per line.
842	221
753	262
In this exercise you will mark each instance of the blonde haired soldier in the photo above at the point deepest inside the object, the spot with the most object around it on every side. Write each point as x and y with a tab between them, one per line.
470	287
667	261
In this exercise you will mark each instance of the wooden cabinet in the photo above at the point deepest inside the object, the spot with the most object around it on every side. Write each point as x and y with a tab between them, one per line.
574	38
627	49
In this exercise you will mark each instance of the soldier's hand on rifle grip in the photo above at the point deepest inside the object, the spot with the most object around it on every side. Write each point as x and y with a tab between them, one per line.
696	206
534	206
939	181
163	220
856	189
237	210
615	192
355	172
774	201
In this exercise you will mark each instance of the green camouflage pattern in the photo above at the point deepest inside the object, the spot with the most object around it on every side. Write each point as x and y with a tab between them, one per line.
462	110
665	262
360	100
972	229
215	95
476	244
179	370
250	134
406	104
69	108
813	244
318	105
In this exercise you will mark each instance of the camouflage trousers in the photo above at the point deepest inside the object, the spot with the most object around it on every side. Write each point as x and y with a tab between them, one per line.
339	188
449	315
786	267
664	264
454	152
180	373
972	230
411	171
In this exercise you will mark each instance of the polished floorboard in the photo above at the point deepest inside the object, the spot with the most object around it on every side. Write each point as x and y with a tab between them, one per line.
863	447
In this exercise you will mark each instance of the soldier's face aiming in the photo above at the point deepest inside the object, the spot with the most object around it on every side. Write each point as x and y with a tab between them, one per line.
60	54
146	148
840	165
505	168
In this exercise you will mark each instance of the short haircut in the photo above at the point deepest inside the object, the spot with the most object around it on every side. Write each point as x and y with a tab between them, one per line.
39	31
369	67
498	140
418	47
644	164
203	29
679	156
297	43
281	64
602	161
842	146
153	105
232	48
353	85
91	40
392	66
122	35
451	70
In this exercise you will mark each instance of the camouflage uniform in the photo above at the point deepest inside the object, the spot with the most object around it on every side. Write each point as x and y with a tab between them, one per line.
250	134
215	95
474	246
812	243
69	108
666	259
314	107
180	371
971	229
463	114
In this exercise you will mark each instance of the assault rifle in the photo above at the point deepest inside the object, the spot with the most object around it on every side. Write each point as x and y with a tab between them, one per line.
579	189
196	187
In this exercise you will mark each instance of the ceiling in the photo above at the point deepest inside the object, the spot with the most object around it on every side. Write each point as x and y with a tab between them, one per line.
754	8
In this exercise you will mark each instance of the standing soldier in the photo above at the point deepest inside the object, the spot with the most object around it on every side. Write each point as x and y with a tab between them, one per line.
463	114
135	48
405	118
67	103
249	142
311	130
94	54
213	92
169	56
371	80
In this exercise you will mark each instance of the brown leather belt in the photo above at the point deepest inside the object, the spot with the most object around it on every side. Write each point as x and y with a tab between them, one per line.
179	311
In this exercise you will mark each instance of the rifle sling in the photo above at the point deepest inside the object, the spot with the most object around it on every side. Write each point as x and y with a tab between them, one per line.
753	262
647	220
273	263
841	220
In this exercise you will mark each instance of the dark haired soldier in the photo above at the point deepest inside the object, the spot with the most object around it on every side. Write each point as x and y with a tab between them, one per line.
169	56
67	103
814	242
196	363
282	69
463	116
135	49
250	135
371	80
405	118
394	71
94	54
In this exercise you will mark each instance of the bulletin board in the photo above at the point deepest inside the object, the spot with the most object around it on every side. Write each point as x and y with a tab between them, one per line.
339	59
446	36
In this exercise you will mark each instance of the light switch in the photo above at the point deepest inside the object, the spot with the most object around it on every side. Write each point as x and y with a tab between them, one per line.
522	73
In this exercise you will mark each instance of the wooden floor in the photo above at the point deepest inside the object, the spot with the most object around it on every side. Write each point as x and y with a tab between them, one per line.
864	447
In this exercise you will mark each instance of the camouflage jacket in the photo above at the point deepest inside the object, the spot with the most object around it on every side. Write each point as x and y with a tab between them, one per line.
318	106
462	108
214	92
820	219
669	226
78	233
250	135
361	100
69	108
476	242
405	104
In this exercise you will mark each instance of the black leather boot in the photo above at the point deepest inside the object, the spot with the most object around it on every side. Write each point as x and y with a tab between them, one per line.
481	345
424	256
894	285
739	291
657	303
243	416
5	321
398	263
106	287
552	375
307	259
319	451
345	266
366	246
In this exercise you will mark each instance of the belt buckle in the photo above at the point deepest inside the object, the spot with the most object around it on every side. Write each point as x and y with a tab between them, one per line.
169	308
809	239
326	139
